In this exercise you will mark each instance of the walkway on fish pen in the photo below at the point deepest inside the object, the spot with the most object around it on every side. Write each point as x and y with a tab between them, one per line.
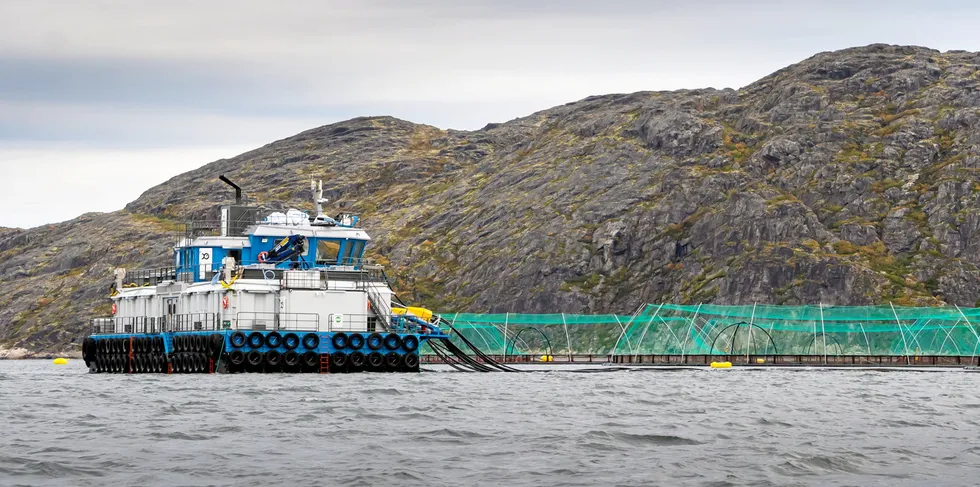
753	360
673	334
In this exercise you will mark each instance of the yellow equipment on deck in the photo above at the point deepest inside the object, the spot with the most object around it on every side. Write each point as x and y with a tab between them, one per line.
417	312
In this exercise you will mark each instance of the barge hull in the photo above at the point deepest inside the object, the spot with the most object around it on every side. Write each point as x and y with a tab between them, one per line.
273	351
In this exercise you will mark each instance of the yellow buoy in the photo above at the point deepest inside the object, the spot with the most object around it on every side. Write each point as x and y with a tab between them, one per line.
547	358
760	360
60	361
721	365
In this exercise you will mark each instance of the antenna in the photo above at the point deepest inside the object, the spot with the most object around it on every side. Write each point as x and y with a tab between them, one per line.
318	199
238	190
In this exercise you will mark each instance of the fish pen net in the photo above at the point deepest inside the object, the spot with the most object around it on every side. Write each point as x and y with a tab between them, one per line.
671	329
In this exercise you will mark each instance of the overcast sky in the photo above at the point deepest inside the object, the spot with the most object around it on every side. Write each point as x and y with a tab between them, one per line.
99	100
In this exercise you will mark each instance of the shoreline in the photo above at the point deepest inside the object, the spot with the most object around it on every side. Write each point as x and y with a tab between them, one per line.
17	353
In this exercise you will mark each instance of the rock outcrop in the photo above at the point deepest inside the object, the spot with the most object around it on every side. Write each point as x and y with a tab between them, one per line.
849	178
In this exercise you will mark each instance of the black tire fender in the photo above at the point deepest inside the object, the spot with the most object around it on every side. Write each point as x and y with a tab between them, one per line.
311	359
392	359
290	341
87	349
339	341
356	341
254	357
357	359
273	358
311	341
410	343
217	344
238	339
393	341
256	340
273	339
236	357
375	341
411	361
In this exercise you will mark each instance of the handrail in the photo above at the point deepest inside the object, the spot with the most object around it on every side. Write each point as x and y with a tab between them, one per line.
256	320
210	227
362	275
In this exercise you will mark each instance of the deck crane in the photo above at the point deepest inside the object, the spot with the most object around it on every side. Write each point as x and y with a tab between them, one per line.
289	248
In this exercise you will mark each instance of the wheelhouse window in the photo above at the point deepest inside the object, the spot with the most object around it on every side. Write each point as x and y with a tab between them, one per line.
354	248
327	251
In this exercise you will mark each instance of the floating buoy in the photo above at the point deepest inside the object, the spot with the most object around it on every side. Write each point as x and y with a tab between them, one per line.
61	361
760	360
721	365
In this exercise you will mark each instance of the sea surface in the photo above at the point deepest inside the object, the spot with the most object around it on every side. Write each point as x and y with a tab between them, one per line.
62	426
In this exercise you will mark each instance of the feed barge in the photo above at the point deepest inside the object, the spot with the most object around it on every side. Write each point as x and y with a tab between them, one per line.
264	291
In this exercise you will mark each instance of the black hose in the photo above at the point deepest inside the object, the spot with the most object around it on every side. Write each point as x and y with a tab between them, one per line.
448	360
477	351
453	360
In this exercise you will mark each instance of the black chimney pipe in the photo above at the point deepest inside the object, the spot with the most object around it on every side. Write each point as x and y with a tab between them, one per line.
238	190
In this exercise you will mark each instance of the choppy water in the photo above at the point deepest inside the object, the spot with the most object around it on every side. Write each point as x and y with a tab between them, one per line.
62	426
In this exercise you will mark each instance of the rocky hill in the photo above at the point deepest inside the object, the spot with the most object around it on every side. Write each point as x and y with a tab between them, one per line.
849	178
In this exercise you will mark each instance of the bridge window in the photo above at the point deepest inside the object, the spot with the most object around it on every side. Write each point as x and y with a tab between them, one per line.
354	248
326	252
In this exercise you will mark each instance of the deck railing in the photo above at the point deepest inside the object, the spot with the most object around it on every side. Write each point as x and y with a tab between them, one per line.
362	273
156	324
247	320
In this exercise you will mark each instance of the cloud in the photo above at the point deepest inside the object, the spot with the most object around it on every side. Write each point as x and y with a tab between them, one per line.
140	75
56	184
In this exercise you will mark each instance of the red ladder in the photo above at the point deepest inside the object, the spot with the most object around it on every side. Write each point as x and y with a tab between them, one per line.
324	363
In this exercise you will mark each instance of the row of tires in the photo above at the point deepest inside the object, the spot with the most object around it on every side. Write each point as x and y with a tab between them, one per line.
211	344
252	361
122	363
106	346
177	363
309	361
190	363
311	341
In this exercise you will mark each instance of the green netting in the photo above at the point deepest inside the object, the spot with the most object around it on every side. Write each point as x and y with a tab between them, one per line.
721	330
